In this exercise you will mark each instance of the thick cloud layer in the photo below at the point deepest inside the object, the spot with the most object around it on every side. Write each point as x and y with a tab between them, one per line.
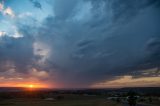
88	41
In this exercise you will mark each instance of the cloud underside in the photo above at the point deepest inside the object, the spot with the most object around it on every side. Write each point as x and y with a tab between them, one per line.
84	43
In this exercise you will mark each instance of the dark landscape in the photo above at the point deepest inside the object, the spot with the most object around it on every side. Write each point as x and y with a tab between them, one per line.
78	97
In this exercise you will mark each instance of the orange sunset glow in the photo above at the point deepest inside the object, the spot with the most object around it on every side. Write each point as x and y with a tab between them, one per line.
32	85
26	85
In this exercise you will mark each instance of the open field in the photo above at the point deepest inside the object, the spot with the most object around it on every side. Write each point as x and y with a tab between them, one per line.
86	97
69	101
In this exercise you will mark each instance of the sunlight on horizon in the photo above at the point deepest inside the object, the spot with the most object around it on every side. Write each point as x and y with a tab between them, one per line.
26	85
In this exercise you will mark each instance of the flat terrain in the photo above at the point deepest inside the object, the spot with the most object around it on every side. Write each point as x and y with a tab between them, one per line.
67	101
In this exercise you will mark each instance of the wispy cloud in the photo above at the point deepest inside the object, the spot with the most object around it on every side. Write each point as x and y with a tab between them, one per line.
1	7
9	11
24	15
6	10
129	81
2	33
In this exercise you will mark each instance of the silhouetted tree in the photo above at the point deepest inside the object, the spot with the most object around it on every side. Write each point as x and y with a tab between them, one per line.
132	99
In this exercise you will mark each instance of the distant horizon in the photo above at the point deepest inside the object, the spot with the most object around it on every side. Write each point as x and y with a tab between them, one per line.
85	88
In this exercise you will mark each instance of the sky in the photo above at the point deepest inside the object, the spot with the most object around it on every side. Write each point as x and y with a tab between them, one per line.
80	43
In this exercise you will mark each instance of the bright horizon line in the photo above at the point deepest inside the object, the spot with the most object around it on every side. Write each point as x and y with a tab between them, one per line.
81	88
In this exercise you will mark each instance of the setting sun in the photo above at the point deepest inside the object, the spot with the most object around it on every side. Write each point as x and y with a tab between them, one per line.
31	86
34	86
26	85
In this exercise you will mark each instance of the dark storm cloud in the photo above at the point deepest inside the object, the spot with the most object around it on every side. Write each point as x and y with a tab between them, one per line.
36	4
17	51
153	49
90	41
63	9
111	42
